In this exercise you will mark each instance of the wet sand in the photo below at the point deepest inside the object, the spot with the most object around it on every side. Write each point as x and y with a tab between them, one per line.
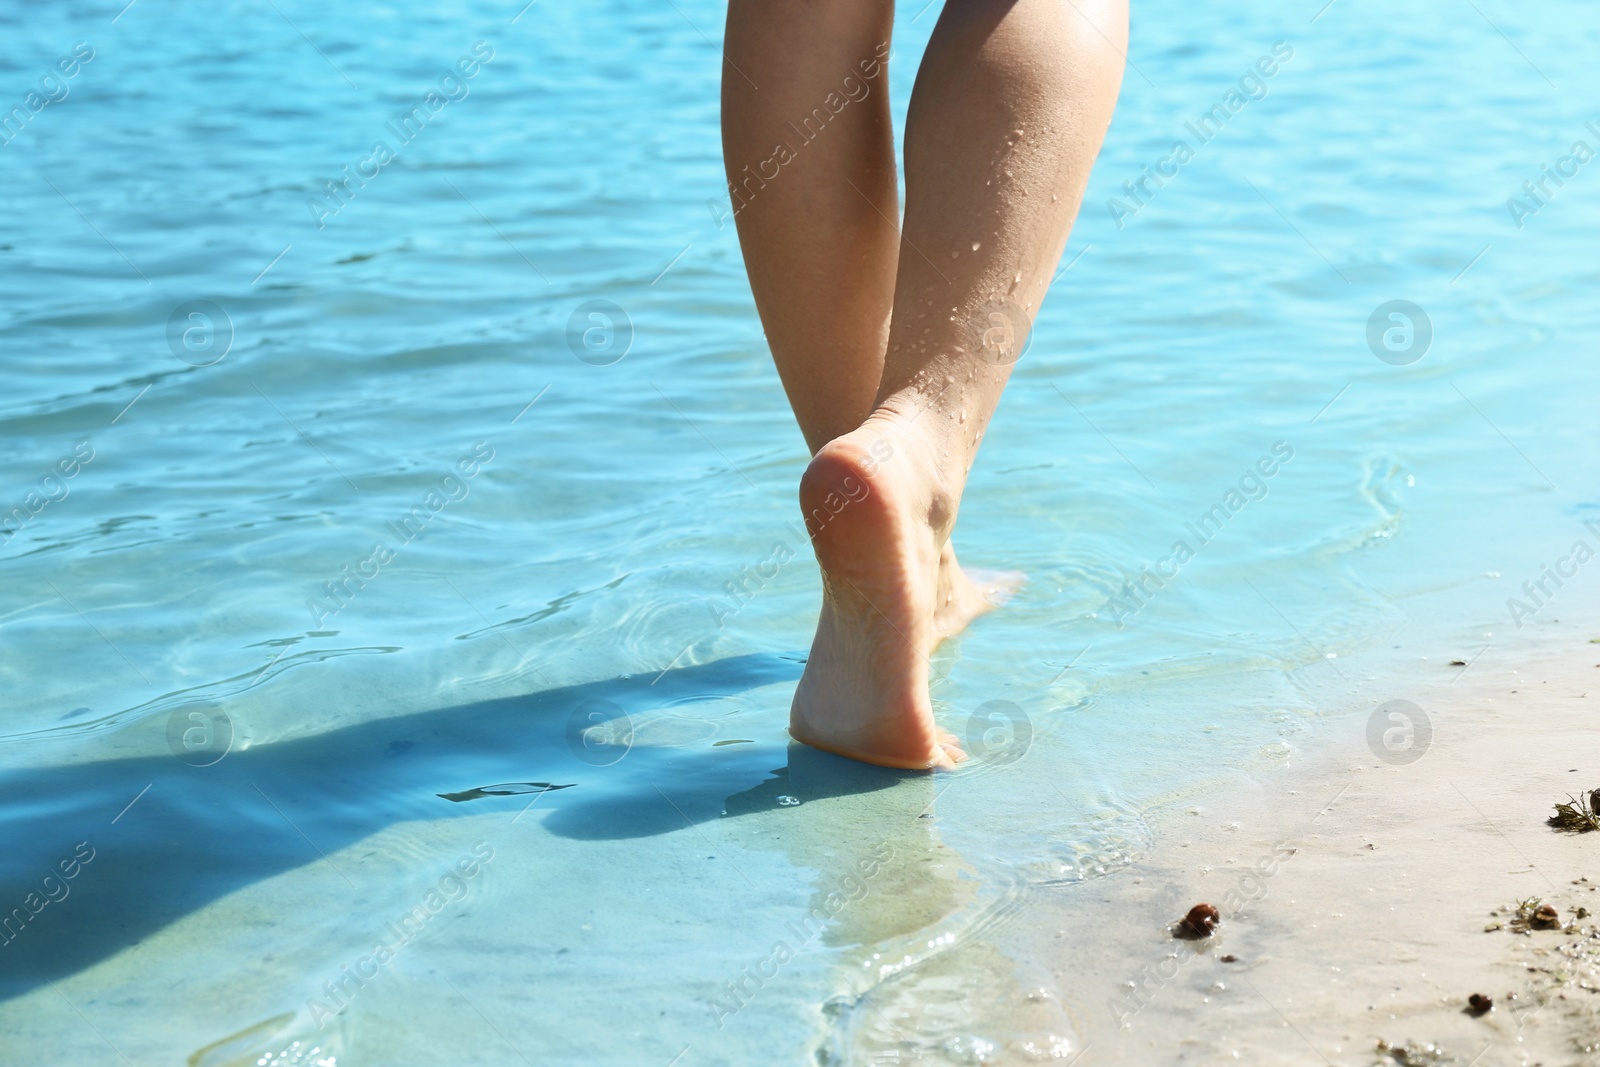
1356	891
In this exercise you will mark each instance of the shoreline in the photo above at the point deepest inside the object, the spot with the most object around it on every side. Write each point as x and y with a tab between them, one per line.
1368	886
1356	891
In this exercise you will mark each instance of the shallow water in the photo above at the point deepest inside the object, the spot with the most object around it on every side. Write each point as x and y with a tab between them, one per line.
564	615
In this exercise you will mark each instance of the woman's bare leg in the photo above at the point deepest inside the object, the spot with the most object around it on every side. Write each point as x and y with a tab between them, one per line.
1009	109
816	203
807	185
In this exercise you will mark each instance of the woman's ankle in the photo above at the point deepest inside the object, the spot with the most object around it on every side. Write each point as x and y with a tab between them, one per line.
918	450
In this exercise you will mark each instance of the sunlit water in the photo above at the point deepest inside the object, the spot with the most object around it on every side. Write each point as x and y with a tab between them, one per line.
570	571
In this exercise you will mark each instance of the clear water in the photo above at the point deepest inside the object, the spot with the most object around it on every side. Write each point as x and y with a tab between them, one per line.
563	616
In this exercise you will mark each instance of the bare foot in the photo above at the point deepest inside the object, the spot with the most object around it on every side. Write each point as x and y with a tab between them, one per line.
964	595
878	517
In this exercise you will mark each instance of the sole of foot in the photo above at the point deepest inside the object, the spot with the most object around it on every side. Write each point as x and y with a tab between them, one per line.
871	507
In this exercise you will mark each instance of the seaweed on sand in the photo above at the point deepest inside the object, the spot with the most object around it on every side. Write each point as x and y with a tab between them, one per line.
1532	915
1580	816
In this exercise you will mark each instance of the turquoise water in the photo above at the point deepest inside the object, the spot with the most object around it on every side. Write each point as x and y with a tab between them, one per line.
224	398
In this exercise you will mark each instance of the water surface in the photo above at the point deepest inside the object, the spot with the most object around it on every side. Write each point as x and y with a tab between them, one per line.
543	544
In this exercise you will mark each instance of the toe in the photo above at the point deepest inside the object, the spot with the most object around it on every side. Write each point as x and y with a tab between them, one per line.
950	747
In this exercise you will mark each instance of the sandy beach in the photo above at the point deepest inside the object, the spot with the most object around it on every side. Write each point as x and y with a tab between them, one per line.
1368	885
1364	901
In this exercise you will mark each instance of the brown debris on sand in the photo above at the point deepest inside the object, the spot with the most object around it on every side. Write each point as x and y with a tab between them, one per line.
1200	921
1532	914
1578	817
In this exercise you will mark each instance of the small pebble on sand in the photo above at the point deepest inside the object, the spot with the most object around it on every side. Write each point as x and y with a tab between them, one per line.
1201	920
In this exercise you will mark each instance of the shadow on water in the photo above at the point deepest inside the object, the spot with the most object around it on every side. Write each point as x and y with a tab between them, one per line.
645	803
195	834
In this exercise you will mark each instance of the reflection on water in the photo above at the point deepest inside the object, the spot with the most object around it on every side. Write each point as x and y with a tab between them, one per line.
880	871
